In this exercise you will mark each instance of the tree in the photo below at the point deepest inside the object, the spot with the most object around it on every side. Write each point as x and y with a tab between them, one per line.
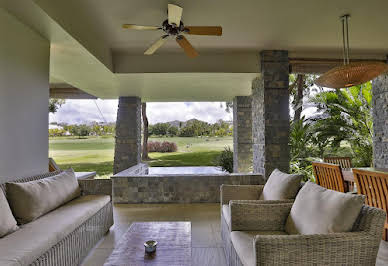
345	115
187	131
228	106
300	86
80	130
55	104
96	129
195	128
160	129
298	99
172	131
145	131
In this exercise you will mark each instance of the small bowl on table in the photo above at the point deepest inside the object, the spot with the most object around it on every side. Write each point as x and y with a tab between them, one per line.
150	246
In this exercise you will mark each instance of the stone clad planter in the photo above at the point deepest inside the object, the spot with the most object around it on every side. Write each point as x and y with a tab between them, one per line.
176	188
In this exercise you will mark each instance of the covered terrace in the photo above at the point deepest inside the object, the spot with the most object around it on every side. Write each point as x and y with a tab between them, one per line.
78	49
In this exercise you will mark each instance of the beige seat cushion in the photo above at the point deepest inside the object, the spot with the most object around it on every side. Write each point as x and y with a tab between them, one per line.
30	200
281	186
7	221
243	244
226	213
318	210
33	239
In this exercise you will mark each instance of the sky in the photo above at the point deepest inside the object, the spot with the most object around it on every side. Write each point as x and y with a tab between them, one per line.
85	111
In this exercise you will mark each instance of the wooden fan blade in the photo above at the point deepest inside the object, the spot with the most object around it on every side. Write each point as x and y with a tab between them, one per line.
184	43
156	45
204	30
138	27
174	14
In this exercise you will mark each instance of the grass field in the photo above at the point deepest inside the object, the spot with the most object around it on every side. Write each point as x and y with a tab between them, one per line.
96	153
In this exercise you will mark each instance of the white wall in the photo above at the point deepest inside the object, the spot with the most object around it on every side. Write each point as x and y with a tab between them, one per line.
24	92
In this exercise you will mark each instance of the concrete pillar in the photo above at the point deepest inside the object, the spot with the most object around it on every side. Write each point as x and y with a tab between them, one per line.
128	134
380	121
242	134
24	97
270	114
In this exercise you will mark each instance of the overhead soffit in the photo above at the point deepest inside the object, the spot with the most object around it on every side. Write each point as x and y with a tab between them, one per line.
307	29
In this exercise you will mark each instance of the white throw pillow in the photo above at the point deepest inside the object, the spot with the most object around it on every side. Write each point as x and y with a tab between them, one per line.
281	186
318	210
7	221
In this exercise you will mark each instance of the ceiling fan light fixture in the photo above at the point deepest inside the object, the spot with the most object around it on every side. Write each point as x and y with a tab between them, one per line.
173	26
350	74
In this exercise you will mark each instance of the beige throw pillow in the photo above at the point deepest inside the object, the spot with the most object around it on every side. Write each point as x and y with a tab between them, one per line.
7	221
281	186
318	210
31	200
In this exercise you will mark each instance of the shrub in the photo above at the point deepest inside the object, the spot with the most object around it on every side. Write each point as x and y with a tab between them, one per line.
165	146
225	160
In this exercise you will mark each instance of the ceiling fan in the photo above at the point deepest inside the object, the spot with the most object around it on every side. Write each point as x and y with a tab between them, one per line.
174	27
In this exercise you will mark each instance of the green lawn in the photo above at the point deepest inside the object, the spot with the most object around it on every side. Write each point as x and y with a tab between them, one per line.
96	153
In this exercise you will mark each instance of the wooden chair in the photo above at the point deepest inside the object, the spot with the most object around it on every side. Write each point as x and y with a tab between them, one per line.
53	166
329	176
344	162
374	185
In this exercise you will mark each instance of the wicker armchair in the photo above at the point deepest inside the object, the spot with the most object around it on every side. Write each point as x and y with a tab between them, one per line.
245	193
258	238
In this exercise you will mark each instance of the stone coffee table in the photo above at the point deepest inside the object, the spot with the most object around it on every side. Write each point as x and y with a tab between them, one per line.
174	245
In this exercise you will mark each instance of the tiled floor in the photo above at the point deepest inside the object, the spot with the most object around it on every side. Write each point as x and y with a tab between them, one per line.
206	237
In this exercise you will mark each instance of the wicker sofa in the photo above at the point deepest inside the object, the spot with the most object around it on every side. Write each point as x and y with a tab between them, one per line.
258	237
65	235
248	193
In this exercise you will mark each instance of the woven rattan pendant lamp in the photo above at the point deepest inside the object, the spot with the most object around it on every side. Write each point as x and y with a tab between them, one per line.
350	74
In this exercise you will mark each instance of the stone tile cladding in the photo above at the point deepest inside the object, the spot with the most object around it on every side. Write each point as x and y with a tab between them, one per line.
128	134
380	121
270	114
242	134
176	188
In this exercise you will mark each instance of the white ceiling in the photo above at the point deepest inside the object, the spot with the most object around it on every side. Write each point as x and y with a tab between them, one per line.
249	25
91	51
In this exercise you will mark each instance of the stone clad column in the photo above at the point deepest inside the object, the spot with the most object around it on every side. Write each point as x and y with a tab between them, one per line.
242	134
128	134
380	121
270	114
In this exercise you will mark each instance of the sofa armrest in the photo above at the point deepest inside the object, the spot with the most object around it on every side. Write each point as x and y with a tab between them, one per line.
95	186
247	216
352	248
240	192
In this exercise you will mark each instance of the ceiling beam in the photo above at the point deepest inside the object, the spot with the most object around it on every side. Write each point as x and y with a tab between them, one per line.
70	93
247	62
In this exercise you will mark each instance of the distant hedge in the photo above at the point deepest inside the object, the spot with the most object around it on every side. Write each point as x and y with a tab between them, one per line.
165	146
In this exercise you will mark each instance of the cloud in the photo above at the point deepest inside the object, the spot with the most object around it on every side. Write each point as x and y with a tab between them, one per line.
206	111
86	111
